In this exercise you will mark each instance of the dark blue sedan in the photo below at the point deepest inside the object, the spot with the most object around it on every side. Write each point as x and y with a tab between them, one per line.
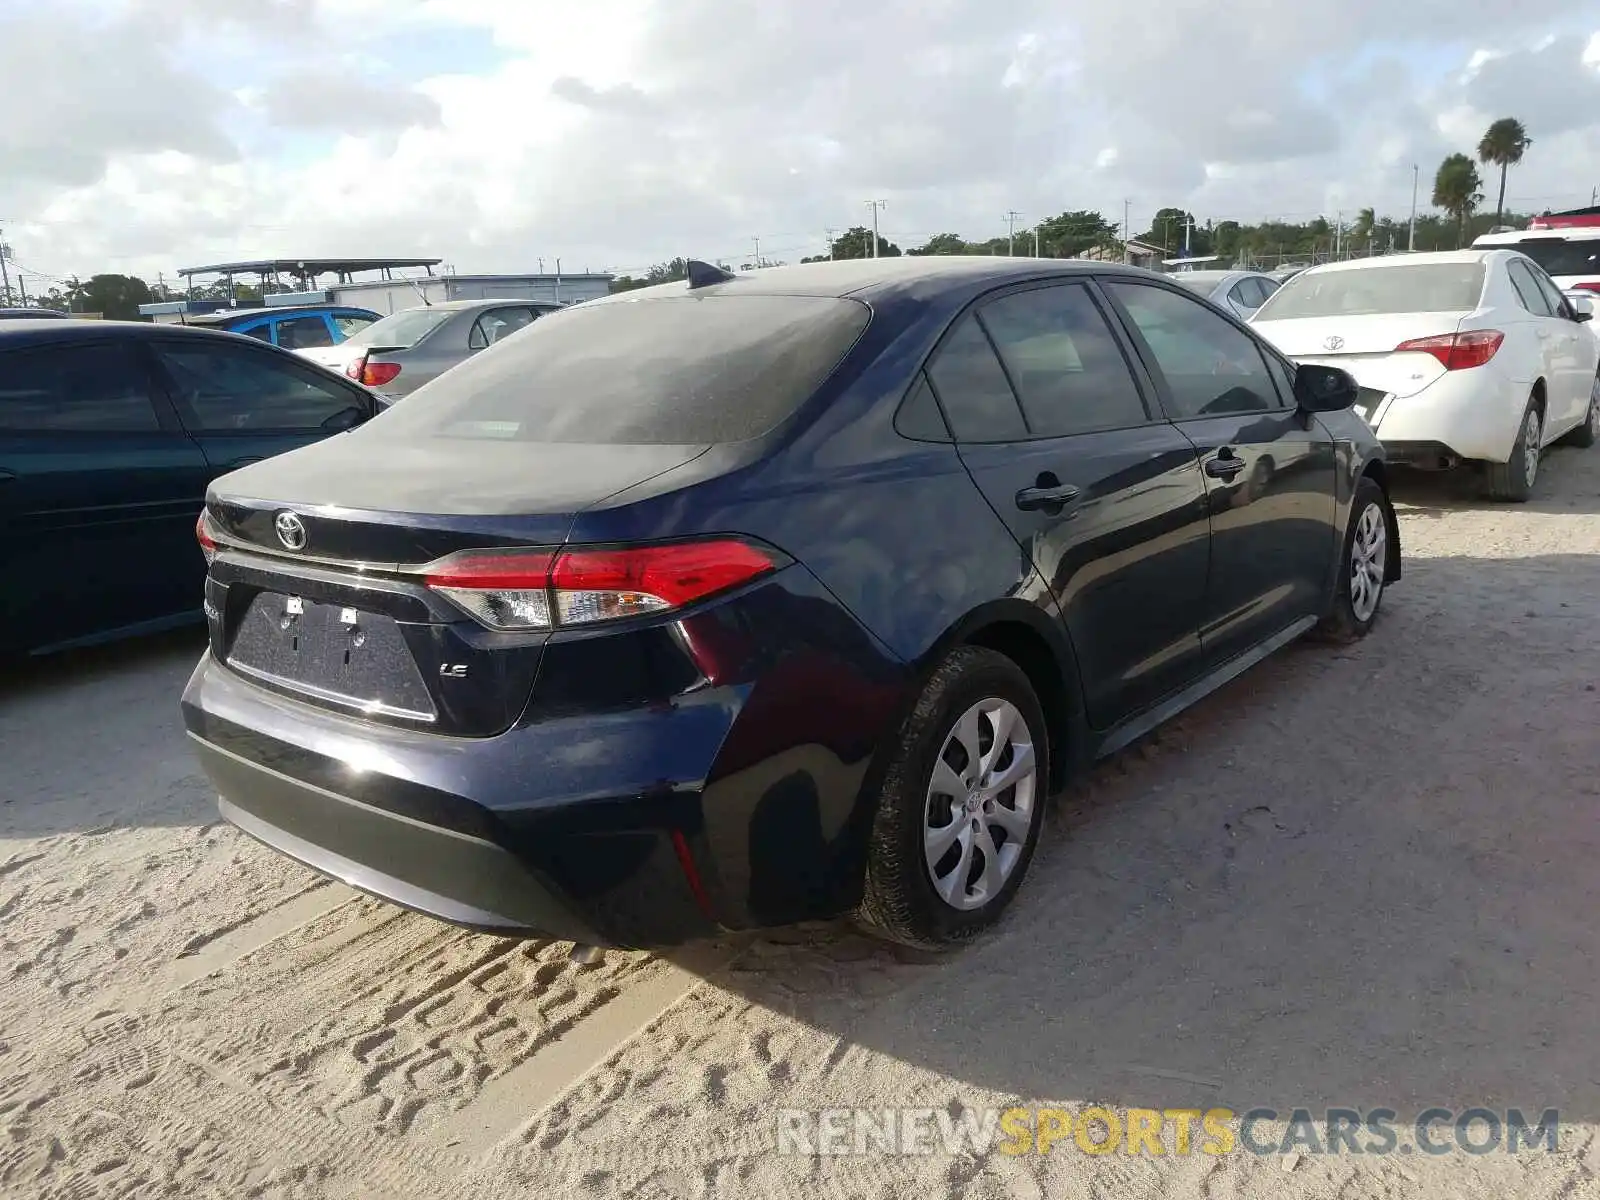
752	599
110	433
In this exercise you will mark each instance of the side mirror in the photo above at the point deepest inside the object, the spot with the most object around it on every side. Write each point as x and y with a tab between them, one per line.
1324	389
1582	306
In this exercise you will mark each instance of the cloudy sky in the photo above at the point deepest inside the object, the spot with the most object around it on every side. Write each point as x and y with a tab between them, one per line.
145	135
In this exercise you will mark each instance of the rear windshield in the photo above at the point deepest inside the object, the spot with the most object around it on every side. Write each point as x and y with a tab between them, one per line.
1368	291
402	331
681	369
1561	256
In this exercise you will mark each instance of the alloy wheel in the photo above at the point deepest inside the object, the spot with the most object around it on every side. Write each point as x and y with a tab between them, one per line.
980	804
1369	555
1530	447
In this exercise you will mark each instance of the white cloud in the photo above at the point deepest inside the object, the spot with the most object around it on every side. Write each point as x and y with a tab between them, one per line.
625	131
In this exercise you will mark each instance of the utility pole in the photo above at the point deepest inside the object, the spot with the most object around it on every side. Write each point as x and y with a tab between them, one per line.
1127	207
1338	233
758	252
5	274
1188	233
1416	174
875	205
1036	253
1011	232
829	233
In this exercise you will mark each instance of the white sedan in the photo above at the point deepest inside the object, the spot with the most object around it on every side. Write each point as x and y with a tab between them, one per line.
1463	356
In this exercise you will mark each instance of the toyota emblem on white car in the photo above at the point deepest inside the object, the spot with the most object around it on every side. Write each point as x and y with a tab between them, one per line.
1334	343
291	530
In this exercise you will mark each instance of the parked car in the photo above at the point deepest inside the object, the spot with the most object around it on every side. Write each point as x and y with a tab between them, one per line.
1464	356
25	314
749	599
306	327
1241	292
110	433
1569	256
400	353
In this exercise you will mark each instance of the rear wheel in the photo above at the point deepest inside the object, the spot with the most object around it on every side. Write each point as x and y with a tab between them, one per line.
1588	433
962	802
1514	479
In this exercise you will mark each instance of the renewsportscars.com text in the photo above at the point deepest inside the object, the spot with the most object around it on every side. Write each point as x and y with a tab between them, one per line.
1098	1130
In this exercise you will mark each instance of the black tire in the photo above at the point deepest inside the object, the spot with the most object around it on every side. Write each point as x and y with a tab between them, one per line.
1513	480
1343	623
899	901
1588	433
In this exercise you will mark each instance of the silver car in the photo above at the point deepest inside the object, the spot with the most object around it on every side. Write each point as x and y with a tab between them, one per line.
1241	292
403	351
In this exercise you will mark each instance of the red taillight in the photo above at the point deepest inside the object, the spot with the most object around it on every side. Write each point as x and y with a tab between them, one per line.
377	374
1457	351
541	589
202	534
1590	286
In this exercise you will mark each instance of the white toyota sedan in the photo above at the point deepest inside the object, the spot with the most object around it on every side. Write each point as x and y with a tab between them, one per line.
1468	356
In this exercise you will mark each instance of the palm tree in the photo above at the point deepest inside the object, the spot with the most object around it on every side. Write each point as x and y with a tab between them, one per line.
1503	145
1458	190
1366	222
76	293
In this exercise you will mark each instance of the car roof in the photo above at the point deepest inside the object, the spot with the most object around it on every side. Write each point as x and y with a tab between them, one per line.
15	333
1380	261
30	314
465	305
873	278
283	310
1577	233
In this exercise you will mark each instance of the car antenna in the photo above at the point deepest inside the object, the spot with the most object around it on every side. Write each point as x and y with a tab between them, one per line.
426	303
703	274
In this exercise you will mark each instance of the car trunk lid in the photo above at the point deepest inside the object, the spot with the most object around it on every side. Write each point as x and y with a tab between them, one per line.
1365	346
317	590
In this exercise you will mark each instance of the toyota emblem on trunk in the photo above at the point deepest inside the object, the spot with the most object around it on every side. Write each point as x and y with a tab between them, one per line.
291	530
1334	343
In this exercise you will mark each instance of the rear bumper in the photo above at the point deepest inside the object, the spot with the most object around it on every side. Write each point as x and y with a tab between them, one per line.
455	877
1473	414
402	816
662	784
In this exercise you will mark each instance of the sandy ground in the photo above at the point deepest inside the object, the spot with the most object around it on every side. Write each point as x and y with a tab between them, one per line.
1355	878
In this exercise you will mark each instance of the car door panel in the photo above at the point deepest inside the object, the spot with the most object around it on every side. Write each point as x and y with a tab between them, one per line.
1572	357
97	516
1269	470
1114	519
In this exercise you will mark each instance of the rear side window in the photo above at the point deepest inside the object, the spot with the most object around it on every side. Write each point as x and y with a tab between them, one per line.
350	324
681	370
972	387
1067	367
1528	291
919	418
77	389
496	324
304	333
224	389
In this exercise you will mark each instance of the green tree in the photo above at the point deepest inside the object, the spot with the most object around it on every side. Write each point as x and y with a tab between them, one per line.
1458	190
1364	231
116	297
1069	234
1503	145
942	243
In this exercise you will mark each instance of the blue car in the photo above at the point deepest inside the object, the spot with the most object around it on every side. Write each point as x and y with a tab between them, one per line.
297	328
753	599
